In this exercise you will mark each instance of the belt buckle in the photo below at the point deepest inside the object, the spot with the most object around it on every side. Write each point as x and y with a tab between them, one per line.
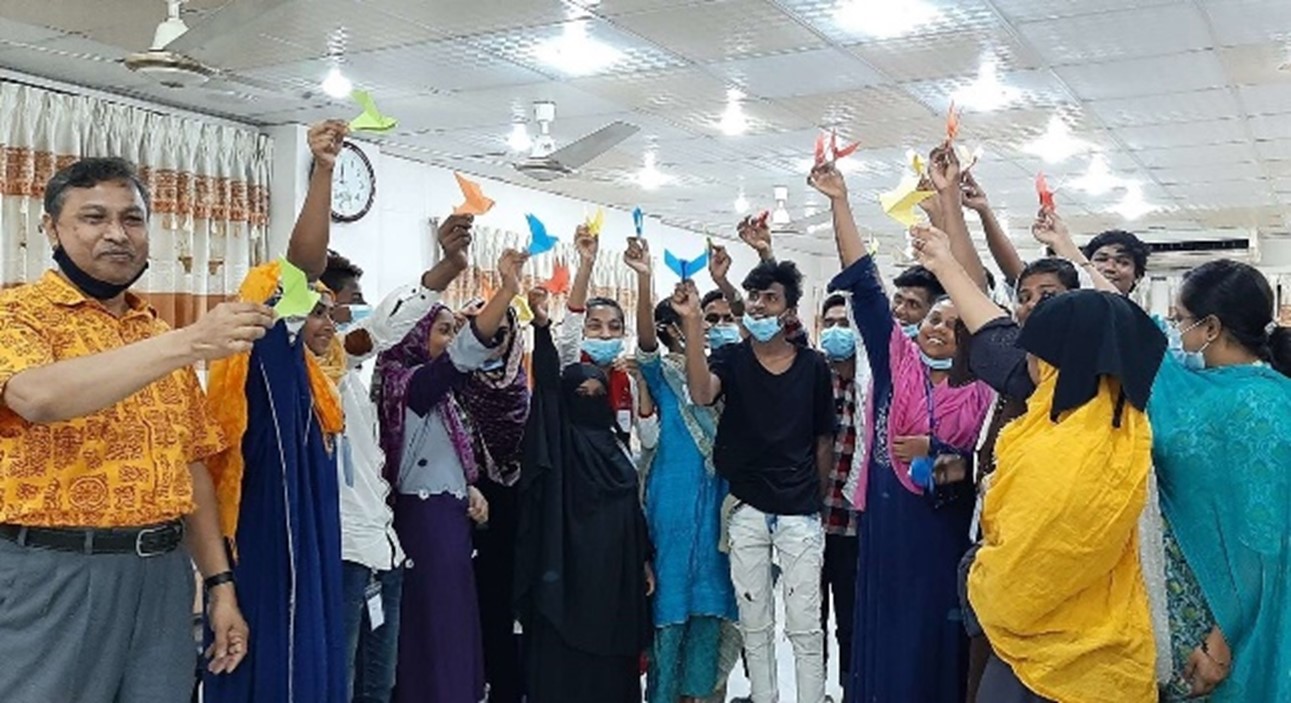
138	541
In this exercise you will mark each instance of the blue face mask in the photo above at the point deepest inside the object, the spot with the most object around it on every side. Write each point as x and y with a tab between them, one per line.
763	329
493	364
838	343
911	330
358	312
1194	360
602	352
936	364
722	335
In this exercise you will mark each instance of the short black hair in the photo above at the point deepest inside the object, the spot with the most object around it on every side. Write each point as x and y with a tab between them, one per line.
711	297
602	302
88	173
339	271
785	273
1062	268
832	302
919	277
664	316
1127	241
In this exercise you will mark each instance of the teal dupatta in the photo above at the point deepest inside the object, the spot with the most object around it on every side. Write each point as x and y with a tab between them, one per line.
1222	451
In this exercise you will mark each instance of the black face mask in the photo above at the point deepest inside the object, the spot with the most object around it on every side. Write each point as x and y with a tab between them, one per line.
89	285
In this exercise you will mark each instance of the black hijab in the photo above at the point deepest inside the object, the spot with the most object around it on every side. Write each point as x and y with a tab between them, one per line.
1088	334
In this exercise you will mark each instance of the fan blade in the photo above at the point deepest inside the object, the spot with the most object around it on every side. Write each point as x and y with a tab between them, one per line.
228	23
593	145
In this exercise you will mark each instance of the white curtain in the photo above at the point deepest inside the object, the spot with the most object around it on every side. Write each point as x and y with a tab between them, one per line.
209	184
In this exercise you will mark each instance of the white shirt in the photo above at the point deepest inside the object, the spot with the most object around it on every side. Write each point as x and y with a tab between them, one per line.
367	523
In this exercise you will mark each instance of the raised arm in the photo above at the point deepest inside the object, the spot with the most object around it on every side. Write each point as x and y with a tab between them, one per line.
588	247
307	249
1050	230
829	181
40	389
997	240
705	387
637	258
719	267
943	171
933	247
755	233
489	321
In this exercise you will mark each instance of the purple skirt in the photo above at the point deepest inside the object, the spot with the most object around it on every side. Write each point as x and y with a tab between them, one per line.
441	655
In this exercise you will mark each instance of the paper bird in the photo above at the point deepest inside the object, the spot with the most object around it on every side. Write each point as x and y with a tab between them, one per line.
297	298
918	166
523	312
952	122
476	203
685	269
371	120
873	247
558	284
761	220
830	151
638	219
1046	195
540	242
900	202
595	222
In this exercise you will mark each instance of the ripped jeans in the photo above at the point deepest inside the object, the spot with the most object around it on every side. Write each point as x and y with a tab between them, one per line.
799	545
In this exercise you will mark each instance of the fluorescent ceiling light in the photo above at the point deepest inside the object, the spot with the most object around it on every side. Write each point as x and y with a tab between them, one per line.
575	53
986	93
1057	143
1098	179
733	120
336	84
886	19
519	138
1133	206
741	204
650	177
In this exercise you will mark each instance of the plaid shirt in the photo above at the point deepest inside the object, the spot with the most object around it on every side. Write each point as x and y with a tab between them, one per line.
839	517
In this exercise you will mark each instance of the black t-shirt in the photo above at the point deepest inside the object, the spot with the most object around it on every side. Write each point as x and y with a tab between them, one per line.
766	439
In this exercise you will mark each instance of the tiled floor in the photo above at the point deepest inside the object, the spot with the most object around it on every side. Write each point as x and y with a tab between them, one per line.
739	685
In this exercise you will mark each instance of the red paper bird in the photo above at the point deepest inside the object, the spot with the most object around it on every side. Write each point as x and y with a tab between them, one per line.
952	122
825	151
1046	195
761	220
558	284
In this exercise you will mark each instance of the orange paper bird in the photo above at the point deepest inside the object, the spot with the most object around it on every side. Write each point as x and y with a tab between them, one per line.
952	122
1046	195
830	151
476	203
558	284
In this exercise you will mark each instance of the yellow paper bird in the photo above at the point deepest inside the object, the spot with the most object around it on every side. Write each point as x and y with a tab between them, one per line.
595	222
371	120
917	165
899	204
521	304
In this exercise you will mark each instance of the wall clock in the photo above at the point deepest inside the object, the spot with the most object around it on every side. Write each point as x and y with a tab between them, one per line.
354	184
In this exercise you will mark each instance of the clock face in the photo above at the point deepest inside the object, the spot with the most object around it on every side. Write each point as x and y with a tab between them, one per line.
353	185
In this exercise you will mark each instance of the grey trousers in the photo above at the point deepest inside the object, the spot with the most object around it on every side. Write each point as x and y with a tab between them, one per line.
103	628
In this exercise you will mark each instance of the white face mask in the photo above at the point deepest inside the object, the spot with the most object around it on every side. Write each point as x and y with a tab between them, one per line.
1194	360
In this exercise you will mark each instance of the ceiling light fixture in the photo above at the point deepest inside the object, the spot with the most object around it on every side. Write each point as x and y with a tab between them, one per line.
336	84
1098	179
780	216
519	139
1133	206
1057	143
650	177
575	53
733	120
986	93
884	20
741	204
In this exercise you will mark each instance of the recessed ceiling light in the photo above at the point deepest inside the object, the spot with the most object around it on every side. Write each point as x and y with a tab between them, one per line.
575	53
650	177
519	139
884	20
1133	206
1098	179
741	204
1057	143
986	93
733	120
336	84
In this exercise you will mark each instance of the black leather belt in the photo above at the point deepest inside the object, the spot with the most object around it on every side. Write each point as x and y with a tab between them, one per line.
149	541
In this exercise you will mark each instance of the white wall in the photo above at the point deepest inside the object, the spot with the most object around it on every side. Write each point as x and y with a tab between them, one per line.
393	244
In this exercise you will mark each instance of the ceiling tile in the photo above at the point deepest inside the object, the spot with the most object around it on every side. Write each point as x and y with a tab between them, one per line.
1256	63
1126	34
1185	134
455	65
1266	99
858	107
499	105
25	33
798	73
952	16
457	18
1249	21
1030	10
721	29
1197	70
664	91
761	116
1037	89
1195	106
1208	173
523	46
82	62
923	57
1197	156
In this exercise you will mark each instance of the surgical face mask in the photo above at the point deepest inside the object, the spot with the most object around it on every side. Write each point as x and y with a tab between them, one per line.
1192	360
911	330
358	313
602	352
493	364
936	364
722	335
763	329
838	343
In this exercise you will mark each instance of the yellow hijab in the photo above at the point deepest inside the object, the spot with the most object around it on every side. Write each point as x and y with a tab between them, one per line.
1057	584
226	389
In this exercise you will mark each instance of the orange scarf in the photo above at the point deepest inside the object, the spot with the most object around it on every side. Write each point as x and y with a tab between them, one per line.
226	390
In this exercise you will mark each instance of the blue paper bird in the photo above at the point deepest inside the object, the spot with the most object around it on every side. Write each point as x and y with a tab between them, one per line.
683	268
638	218
541	242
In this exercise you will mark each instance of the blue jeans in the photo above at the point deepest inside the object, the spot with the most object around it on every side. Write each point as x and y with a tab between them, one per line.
372	653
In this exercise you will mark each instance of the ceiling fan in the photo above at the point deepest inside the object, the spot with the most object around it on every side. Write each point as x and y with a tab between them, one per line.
547	163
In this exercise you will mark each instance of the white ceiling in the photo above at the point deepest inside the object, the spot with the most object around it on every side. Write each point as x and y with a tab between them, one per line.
1182	95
